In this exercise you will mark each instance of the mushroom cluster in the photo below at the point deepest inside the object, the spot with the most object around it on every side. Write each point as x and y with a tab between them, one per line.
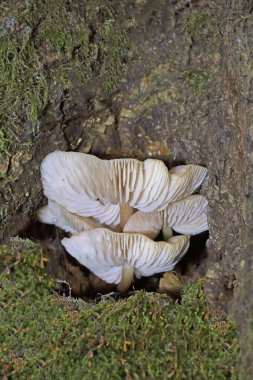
115	208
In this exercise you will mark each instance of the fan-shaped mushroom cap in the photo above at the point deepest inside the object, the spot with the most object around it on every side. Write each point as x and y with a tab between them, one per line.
185	179
116	257
80	181
61	217
196	226
187	216
88	186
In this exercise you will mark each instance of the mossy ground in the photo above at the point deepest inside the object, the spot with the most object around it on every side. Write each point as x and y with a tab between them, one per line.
148	336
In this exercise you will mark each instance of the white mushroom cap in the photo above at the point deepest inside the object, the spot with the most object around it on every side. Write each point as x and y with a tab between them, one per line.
116	257
185	179
61	217
187	216
194	227
146	223
77	181
88	186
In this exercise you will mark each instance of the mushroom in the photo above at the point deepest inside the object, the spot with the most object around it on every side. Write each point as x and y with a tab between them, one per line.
117	257
58	215
109	190
187	216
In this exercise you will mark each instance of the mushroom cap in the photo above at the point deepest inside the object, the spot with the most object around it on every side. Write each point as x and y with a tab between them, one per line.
88	186
77	181
186	216
196	226
185	179
146	223
83	183
58	215
105	253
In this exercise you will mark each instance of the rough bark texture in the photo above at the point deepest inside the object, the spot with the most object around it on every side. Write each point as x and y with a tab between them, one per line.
185	98
244	300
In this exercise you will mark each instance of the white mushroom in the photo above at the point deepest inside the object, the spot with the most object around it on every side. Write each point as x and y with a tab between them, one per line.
185	179
187	216
196	226
109	190
58	215
116	257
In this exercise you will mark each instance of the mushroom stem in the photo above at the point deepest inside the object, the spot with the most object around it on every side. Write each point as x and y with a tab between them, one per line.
125	212
127	278
167	233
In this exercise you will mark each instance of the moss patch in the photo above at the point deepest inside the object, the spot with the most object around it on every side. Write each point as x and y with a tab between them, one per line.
23	84
46	47
198	81
246	353
202	25
146	336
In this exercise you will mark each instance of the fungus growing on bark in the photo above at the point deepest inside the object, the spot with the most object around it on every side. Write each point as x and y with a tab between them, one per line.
86	194
53	213
117	257
110	190
186	216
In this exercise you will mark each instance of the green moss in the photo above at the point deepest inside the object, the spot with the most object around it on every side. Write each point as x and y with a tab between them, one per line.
22	266
46	47
246	354
115	44
198	81
146	336
202	25
4	143
23	84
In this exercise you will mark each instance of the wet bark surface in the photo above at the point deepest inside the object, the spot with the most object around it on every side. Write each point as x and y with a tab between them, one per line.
185	98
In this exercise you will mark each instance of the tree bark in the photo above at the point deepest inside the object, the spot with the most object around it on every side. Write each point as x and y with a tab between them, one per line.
186	97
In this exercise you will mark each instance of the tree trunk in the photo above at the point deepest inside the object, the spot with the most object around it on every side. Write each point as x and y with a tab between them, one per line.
184	98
